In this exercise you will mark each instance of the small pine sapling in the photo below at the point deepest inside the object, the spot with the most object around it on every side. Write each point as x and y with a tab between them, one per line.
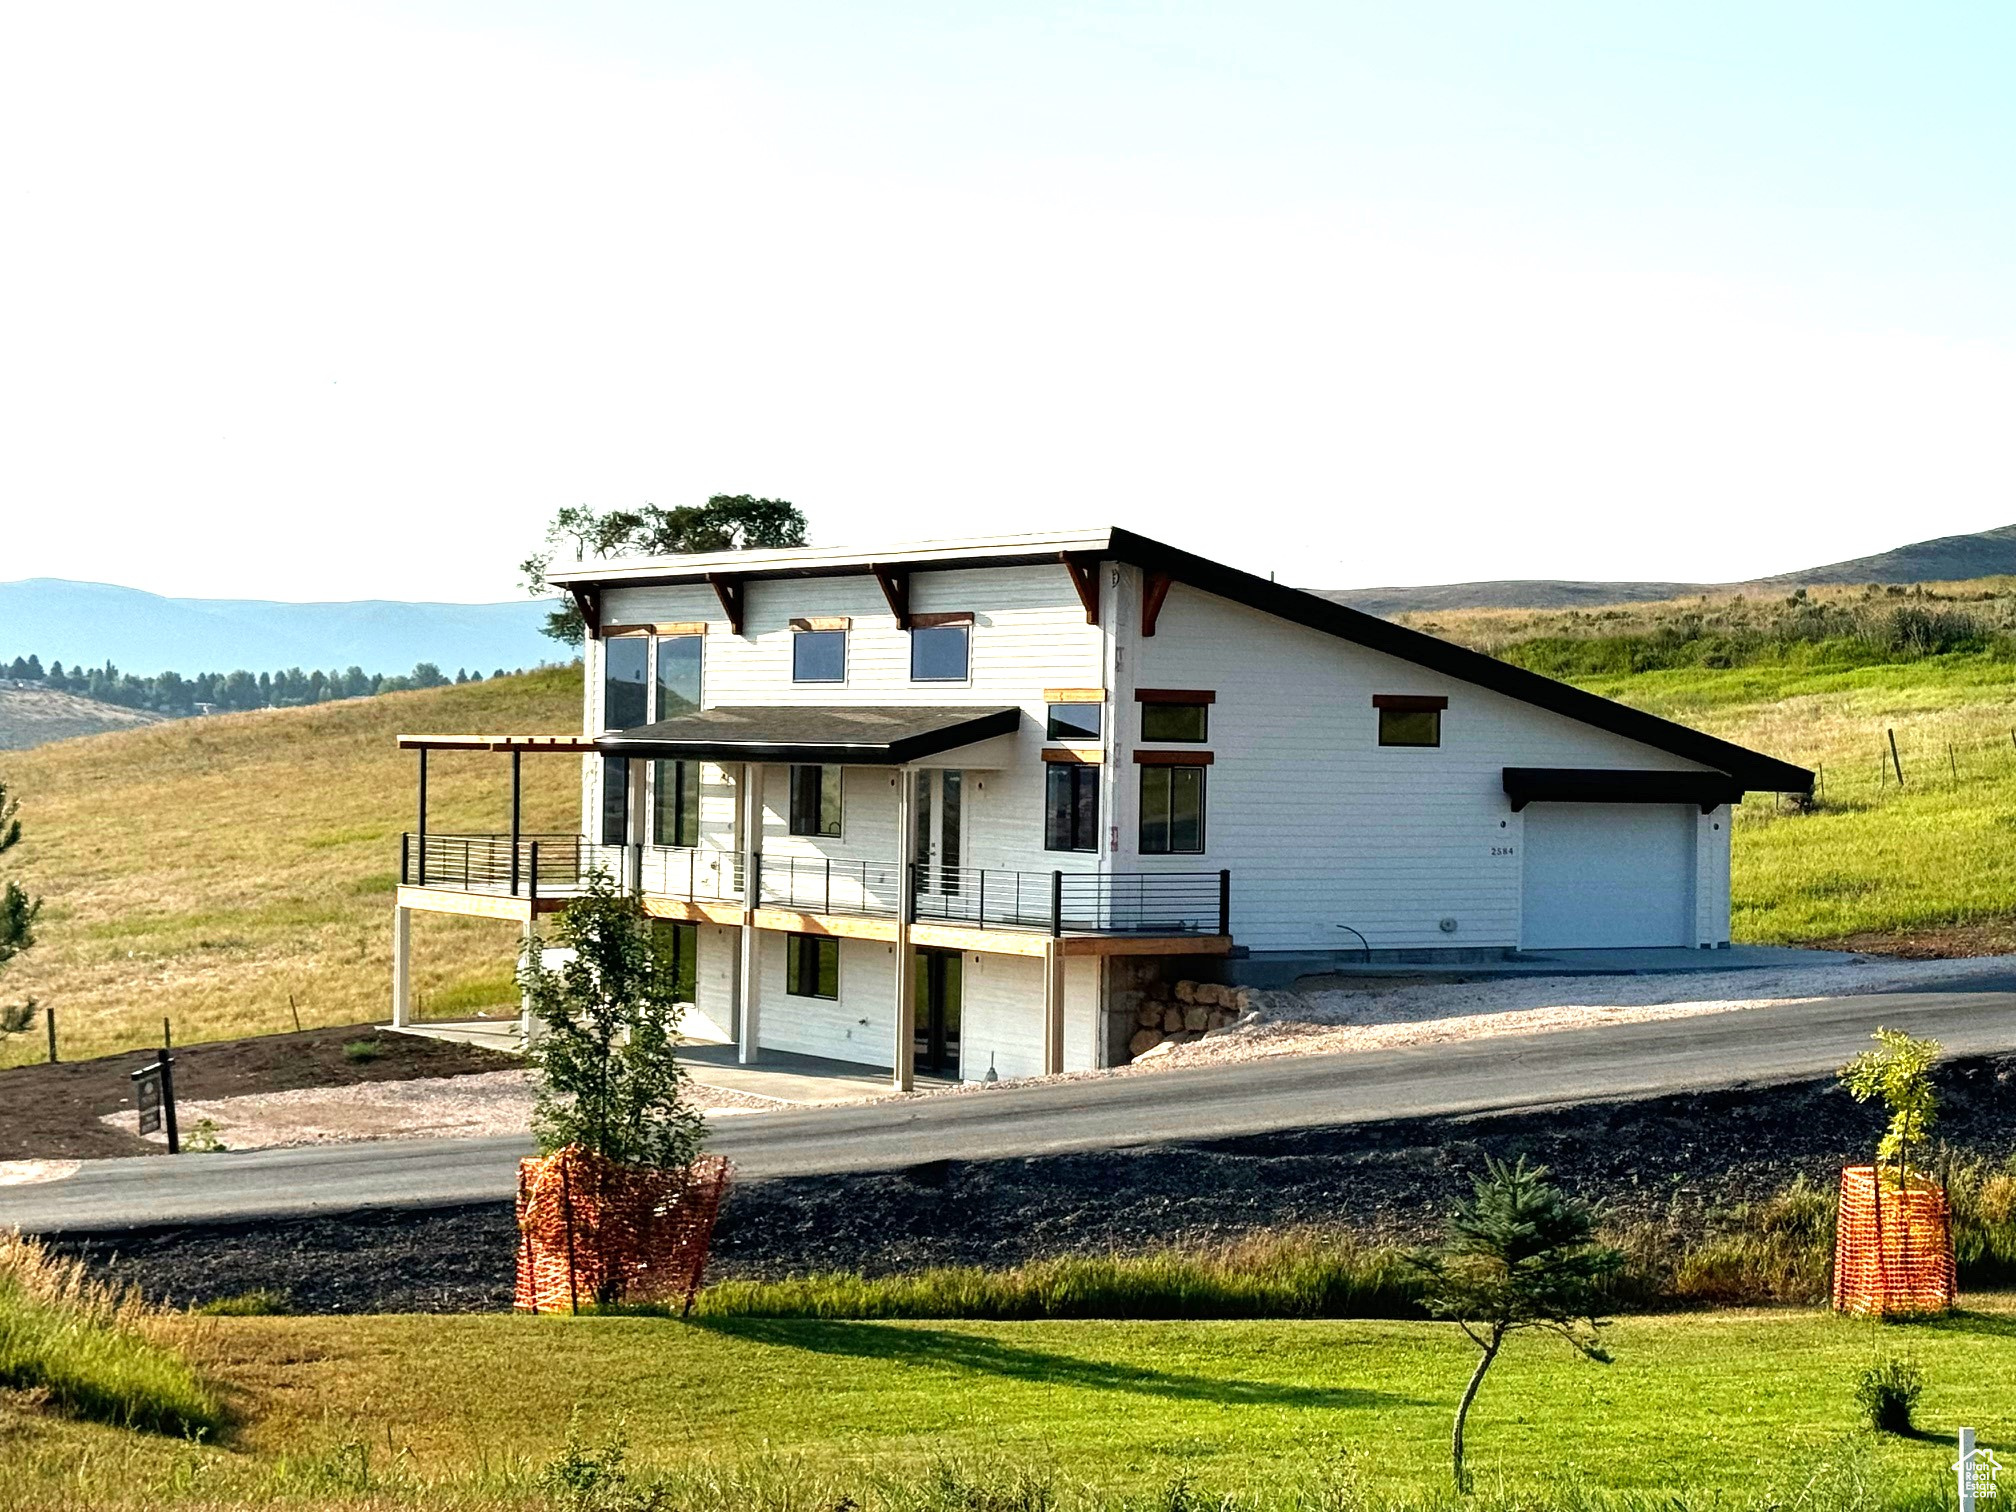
1517	1255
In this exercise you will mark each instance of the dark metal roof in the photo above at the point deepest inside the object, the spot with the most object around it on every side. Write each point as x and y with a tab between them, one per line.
1524	785
813	734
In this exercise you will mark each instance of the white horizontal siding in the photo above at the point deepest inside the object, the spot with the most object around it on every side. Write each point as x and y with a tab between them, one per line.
858	1027
712	1016
1319	824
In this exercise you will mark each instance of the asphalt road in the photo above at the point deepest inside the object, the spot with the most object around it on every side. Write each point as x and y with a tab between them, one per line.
1216	1102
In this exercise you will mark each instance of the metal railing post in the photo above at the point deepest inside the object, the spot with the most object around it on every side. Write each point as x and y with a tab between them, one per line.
1224	902
829	883
983	897
405	857
534	890
752	885
637	868
693	872
1056	903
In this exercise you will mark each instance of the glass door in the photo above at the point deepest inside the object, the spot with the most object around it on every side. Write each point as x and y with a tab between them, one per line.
941	840
940	983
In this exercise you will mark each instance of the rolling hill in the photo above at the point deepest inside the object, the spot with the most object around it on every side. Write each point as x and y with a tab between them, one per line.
1985	553
89	623
32	716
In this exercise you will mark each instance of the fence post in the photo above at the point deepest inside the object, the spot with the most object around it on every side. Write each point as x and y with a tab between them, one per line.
51	1011
1225	902
1056	903
1893	757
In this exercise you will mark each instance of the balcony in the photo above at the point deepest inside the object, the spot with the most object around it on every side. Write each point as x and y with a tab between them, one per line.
545	870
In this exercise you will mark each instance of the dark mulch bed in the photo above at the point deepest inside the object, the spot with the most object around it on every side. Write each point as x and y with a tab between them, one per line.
1663	1155
52	1112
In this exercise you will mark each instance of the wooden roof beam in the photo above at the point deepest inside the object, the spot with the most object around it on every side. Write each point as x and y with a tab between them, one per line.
733	591
895	584
1154	590
1084	572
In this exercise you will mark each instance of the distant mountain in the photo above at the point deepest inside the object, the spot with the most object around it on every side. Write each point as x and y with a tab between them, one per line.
1985	553
32	716
59	620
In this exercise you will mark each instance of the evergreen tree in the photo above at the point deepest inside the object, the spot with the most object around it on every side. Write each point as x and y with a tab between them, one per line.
17	917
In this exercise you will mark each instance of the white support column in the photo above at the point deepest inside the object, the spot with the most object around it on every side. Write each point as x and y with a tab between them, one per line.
904	1054
747	990
402	966
1053	1006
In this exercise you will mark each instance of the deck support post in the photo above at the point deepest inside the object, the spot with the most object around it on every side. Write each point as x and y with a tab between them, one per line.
903	1059
1053	1006
402	966
747	992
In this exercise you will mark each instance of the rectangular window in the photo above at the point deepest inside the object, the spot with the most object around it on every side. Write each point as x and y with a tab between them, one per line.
680	945
1075	721
675	803
615	800
812	966
678	679
815	800
1172	810
939	653
626	668
1407	719
1175	713
1071	816
819	656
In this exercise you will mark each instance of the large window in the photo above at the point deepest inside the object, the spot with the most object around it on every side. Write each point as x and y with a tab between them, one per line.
680	943
678	675
626	671
675	803
940	653
615	800
1071	817
815	800
1172	810
1407	719
819	656
811	966
1075	721
1172	714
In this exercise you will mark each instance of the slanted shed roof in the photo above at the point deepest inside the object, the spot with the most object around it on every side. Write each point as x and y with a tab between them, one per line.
1752	769
813	734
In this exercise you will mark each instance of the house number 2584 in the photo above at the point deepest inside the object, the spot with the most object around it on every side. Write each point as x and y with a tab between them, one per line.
1501	850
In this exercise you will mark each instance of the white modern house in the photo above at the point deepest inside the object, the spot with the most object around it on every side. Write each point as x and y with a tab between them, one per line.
944	807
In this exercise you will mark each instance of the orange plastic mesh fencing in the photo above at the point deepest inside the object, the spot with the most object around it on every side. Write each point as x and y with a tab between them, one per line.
1893	1249
591	1230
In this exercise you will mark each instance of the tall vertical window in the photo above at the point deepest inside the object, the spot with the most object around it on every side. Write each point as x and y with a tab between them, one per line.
615	800
1071	807
675	803
1172	810
815	800
680	943
819	656
812	966
626	670
678	674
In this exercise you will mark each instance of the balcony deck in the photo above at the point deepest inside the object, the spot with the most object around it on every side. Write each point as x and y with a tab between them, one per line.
1004	912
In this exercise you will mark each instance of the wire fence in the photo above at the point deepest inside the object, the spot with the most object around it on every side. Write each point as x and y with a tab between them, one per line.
1892	762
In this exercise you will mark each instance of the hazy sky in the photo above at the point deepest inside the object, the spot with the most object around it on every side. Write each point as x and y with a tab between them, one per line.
306	300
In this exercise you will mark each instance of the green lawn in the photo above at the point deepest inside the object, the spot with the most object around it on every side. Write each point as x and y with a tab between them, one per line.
1745	1406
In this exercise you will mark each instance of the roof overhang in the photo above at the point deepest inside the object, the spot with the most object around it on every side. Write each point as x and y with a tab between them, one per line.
823	735
544	743
1524	785
1027	550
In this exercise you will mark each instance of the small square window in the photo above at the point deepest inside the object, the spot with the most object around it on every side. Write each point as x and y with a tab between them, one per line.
1076	721
819	656
811	966
815	800
1175	721
1400	726
938	653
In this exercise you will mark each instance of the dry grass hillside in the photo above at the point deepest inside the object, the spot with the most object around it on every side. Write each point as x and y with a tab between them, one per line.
32	716
205	869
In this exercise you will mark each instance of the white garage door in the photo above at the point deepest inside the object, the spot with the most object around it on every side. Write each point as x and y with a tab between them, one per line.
1608	874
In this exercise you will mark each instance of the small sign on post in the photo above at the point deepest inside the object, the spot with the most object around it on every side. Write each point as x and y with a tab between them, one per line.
154	1095
1979	1471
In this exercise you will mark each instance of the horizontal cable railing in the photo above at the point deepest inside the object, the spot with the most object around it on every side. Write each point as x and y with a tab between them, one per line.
817	884
1075	902
550	863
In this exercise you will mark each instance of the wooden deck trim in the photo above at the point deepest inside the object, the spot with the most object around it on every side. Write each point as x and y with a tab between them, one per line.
472	905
